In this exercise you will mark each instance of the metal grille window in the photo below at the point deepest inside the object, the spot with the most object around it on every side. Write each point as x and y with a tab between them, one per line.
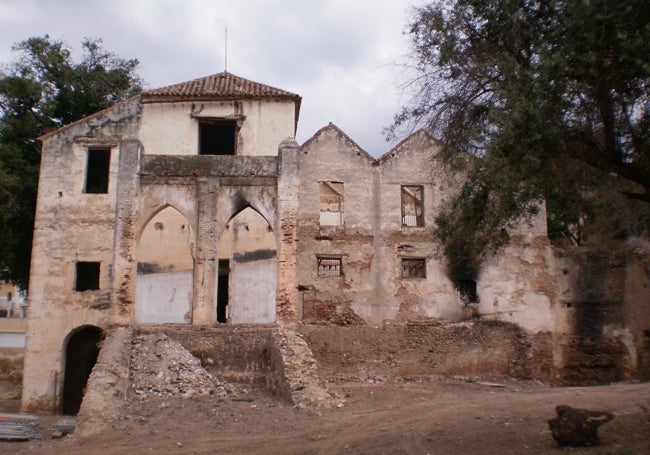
331	203
412	206
329	266
414	268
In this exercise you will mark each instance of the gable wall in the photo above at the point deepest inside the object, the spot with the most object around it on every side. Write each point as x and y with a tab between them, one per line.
172	128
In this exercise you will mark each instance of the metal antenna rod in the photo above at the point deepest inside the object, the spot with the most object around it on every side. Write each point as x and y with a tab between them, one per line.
225	64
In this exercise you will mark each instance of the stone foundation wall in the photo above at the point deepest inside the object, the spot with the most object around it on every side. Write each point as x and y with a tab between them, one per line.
421	349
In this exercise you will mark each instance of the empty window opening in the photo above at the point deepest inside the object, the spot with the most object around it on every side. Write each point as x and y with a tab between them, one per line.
467	291
97	169
222	290
412	206
329	266
218	138
87	276
331	203
414	268
80	358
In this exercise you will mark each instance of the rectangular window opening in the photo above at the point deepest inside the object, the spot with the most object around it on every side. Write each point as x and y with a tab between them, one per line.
329	266
218	138
97	170
87	276
412	206
331	203
414	268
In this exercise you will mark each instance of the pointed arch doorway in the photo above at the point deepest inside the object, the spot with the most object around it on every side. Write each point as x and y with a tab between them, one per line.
246	287
164	284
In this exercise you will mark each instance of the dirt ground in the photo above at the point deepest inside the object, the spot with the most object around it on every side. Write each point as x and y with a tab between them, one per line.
443	416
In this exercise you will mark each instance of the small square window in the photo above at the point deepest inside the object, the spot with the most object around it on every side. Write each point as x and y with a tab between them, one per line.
412	206
97	170
414	268
218	138
87	276
331	203
329	266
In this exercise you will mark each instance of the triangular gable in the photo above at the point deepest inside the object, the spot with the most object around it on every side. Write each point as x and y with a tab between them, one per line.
338	131
89	118
406	144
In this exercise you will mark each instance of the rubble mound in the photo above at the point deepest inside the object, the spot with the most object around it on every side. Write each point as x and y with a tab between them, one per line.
161	366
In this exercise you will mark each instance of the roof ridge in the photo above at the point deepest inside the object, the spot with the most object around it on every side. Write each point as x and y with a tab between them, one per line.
219	85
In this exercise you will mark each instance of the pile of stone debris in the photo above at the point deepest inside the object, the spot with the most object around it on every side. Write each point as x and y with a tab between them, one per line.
161	366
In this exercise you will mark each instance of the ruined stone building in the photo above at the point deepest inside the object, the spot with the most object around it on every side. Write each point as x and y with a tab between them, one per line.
193	204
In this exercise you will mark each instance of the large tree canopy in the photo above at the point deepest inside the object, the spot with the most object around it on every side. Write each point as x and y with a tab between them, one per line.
42	90
536	101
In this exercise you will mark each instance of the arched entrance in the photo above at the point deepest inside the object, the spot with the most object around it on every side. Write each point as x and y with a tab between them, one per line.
164	287
81	354
246	287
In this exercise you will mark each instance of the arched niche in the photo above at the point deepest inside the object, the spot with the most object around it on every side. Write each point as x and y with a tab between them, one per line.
246	288
164	287
81	351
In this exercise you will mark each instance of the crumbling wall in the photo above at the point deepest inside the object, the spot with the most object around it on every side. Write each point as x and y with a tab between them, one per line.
420	349
604	296
236	353
72	226
295	371
108	384
346	297
11	373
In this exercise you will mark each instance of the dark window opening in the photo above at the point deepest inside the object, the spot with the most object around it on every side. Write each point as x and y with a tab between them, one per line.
412	206
87	276
329	266
80	358
414	268
222	290
218	138
97	170
467	290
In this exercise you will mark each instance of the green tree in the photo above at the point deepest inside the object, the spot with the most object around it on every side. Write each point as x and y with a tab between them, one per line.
534	101
42	90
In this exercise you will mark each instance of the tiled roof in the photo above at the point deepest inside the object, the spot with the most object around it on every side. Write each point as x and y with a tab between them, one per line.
217	86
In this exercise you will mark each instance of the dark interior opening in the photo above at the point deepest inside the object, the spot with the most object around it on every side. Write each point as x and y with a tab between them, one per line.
222	290
218	138
97	171
80	358
467	290
87	276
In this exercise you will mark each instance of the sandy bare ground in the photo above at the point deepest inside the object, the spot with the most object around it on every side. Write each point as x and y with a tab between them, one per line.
439	417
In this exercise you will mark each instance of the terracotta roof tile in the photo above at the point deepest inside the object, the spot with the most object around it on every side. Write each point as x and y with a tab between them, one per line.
218	86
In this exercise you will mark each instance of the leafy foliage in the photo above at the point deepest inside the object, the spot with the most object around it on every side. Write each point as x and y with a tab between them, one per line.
535	101
42	90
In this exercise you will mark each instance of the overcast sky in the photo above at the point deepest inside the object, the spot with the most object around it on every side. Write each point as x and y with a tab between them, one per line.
342	56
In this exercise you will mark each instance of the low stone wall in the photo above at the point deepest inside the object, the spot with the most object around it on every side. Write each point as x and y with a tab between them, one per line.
421	349
235	353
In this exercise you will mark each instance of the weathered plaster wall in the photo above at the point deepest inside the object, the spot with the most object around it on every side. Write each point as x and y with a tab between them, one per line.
165	269
172	128
248	243
70	226
253	287
332	156
373	242
603	297
415	162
